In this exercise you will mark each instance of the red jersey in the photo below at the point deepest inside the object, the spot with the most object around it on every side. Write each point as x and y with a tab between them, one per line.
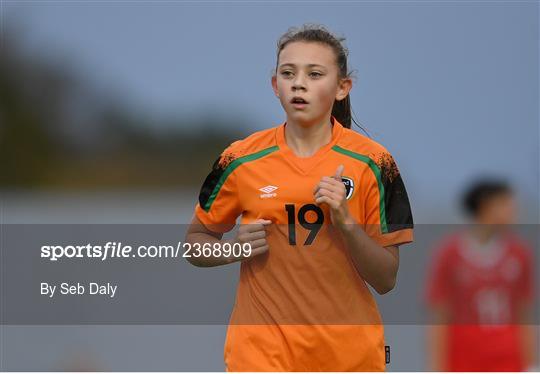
483	288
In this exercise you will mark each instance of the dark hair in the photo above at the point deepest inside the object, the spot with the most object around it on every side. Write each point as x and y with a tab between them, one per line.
309	32
481	191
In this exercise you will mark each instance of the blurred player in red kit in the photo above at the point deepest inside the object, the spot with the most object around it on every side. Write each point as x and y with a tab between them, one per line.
480	289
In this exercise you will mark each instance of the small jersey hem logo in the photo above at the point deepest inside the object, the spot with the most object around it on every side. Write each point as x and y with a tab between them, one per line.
268	192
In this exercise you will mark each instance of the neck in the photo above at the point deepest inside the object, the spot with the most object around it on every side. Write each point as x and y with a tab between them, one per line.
483	232
305	141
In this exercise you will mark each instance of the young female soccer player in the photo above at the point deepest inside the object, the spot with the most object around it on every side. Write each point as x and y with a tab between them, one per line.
324	210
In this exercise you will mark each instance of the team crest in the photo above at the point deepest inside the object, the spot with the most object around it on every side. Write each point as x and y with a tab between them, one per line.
349	186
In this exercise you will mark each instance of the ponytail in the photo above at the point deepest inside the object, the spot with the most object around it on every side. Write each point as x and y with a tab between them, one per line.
342	111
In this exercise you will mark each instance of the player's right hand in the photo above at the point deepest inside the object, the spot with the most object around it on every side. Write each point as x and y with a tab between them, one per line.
254	233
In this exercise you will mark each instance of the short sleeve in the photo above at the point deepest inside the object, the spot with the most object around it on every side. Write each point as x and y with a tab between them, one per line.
388	213
219	205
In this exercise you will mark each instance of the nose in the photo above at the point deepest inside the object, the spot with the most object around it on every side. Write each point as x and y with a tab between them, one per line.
298	82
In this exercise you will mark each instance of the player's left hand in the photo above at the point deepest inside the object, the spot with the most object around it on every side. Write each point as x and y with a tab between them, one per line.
331	191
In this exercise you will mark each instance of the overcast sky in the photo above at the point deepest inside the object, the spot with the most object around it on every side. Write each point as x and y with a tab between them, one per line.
450	88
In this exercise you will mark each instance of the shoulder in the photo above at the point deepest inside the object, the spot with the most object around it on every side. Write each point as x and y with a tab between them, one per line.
358	142
447	246
520	247
368	150
362	145
256	144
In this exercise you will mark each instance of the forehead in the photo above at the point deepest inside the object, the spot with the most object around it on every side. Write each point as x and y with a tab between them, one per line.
500	198
503	196
305	53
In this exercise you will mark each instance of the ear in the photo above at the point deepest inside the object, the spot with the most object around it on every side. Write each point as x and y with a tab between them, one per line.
344	87
274	85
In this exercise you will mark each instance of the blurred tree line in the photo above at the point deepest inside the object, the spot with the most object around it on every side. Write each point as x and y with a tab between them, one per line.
56	131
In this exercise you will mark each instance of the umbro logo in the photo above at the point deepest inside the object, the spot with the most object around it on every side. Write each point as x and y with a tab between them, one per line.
268	192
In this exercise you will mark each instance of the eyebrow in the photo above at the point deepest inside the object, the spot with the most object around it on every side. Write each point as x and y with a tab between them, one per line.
308	65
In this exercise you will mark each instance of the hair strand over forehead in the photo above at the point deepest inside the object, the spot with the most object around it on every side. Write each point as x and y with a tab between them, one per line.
316	33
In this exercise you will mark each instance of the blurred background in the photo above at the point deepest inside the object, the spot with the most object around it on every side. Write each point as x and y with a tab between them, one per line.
113	112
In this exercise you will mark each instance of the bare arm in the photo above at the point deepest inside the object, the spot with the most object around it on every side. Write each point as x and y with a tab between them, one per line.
528	335
198	233
437	340
254	234
377	265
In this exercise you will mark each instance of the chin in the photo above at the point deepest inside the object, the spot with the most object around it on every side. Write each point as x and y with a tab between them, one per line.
302	118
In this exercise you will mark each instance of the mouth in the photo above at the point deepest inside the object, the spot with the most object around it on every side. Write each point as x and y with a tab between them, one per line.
299	102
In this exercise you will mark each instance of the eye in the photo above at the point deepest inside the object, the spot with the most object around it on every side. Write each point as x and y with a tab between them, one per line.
315	74
286	73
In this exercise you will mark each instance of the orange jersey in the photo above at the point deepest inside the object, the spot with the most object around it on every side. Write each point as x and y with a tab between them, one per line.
302	306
